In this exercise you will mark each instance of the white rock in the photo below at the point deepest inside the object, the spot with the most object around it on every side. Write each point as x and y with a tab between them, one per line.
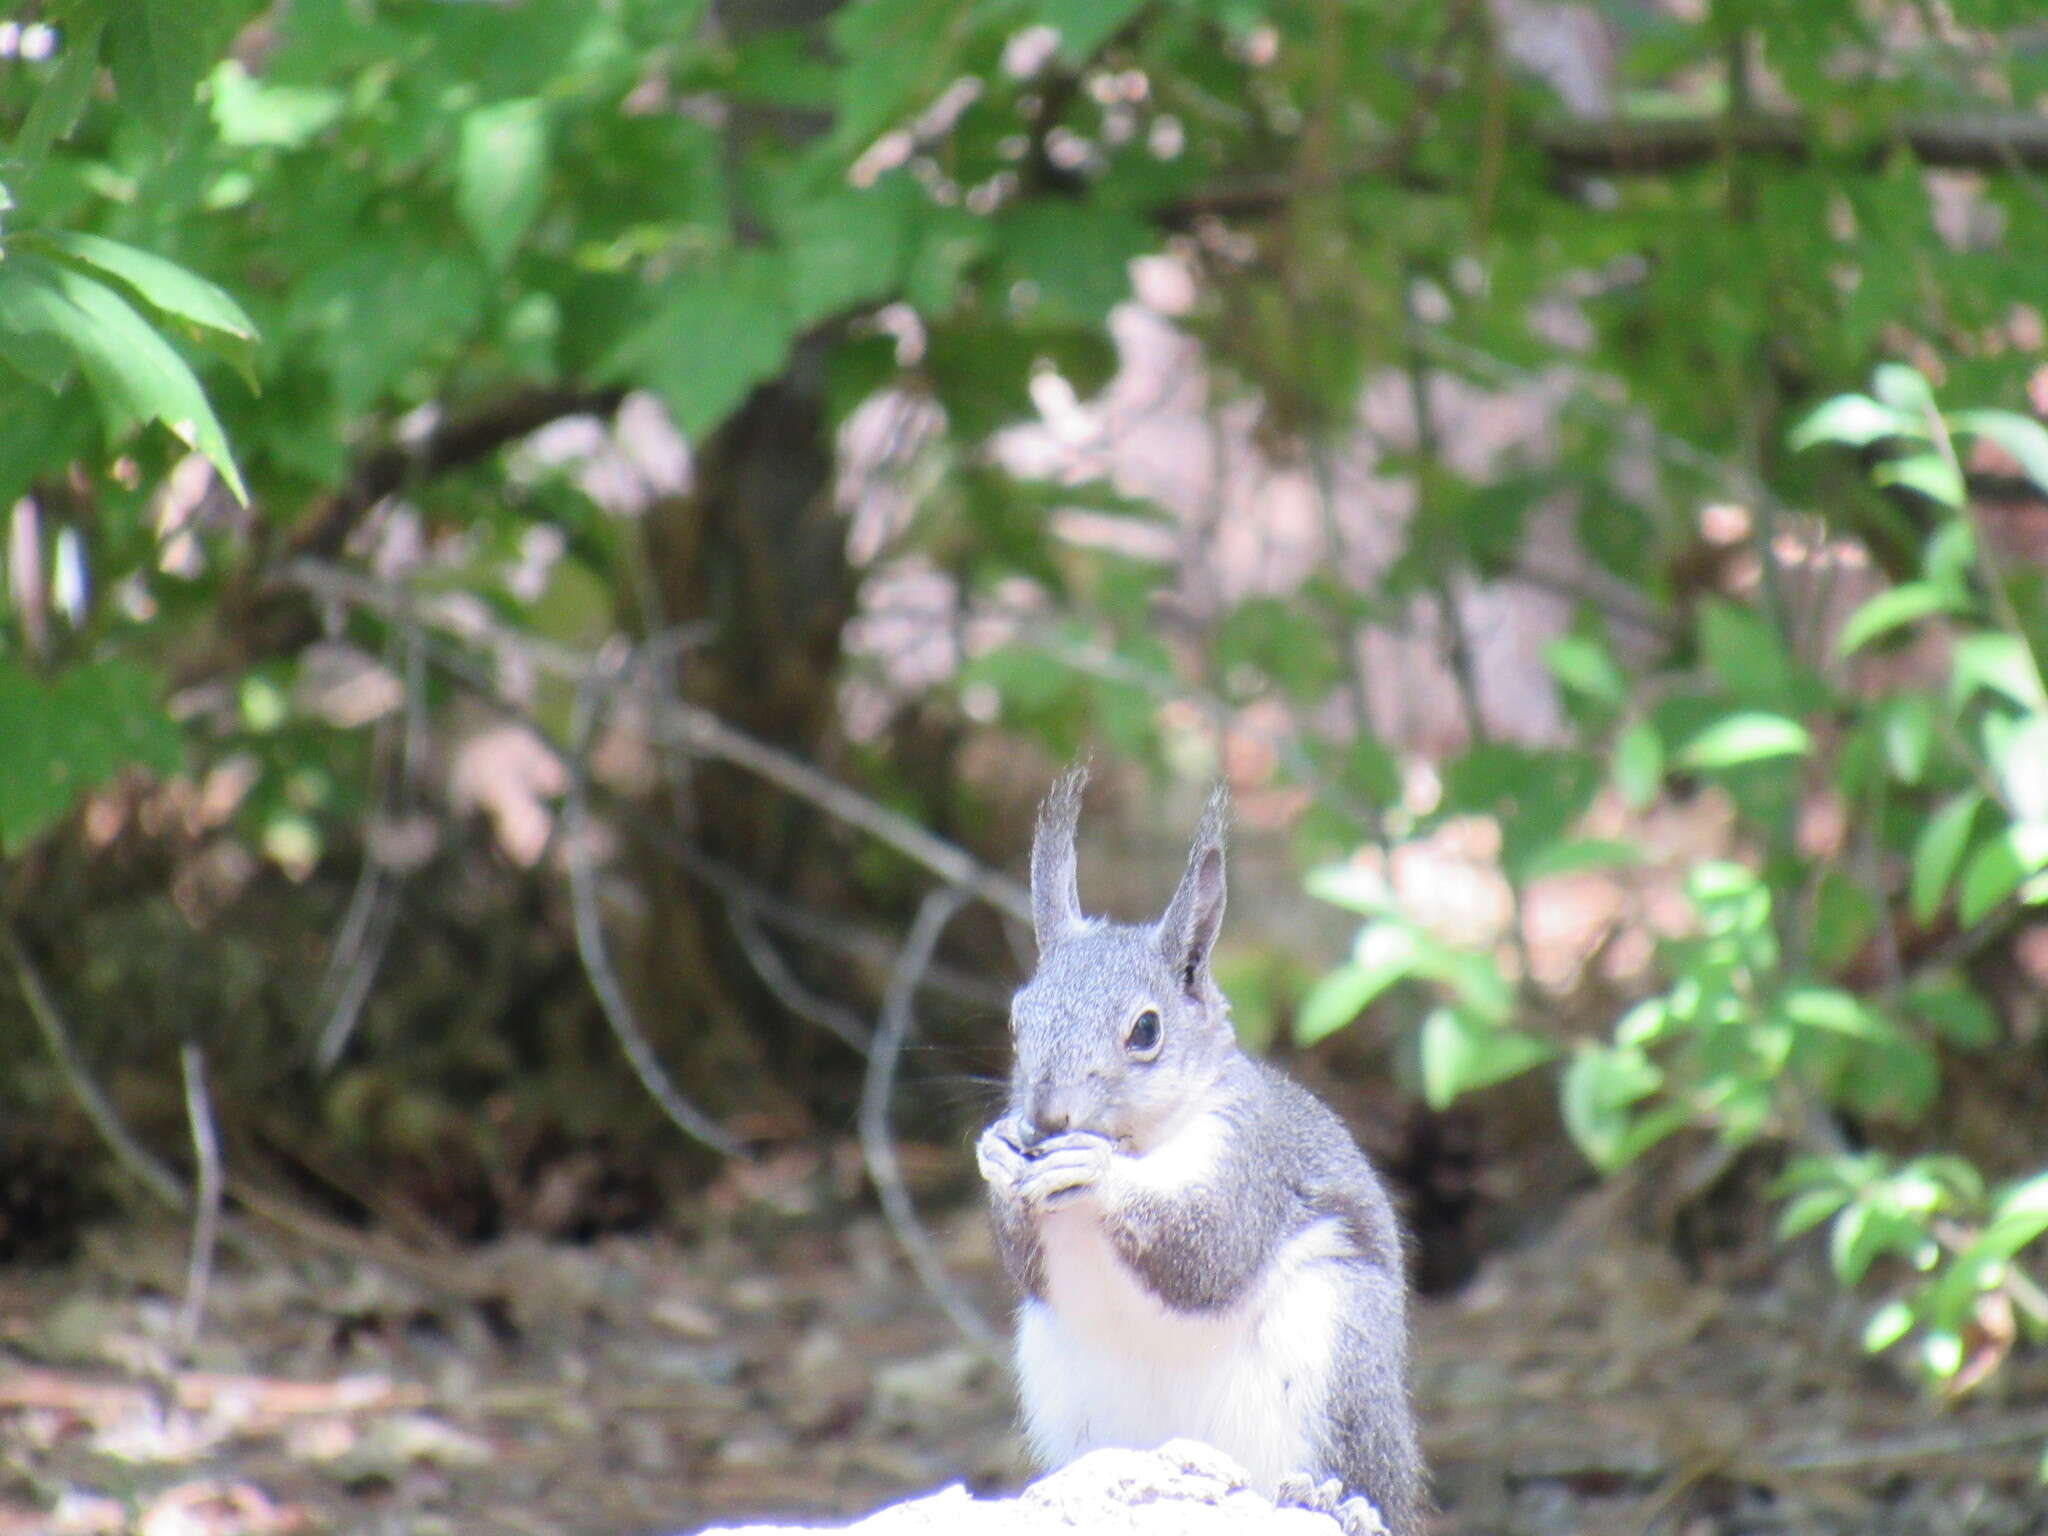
1184	1488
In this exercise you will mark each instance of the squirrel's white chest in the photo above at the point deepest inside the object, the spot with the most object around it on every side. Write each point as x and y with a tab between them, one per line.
1101	1361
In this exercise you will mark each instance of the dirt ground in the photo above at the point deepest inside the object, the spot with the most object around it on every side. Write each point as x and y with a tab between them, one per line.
780	1360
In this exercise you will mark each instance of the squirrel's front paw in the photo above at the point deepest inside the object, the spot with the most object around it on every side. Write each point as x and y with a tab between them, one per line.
1356	1516
1063	1167
1002	1162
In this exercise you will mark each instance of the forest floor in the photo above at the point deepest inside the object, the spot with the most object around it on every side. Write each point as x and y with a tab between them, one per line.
783	1363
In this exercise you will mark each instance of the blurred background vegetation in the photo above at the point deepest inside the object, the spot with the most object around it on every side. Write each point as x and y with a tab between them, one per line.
539	533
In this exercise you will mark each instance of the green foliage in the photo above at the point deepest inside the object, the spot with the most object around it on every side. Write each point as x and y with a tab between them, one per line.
1760	1028
74	733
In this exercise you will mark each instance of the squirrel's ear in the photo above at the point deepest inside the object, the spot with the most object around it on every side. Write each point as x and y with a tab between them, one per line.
1187	932
1055	888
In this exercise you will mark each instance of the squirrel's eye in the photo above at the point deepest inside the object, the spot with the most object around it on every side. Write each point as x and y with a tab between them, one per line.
1143	1040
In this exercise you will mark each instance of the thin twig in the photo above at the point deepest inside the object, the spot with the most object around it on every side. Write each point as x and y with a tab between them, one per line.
864	944
206	1210
597	964
684	725
853	941
360	947
879	1151
147	1168
338	995
837	1020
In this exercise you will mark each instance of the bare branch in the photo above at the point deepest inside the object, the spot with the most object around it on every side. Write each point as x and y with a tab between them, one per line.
835	1019
453	444
879	1151
1620	146
147	1168
590	945
357	954
206	1211
681	724
1997	143
702	733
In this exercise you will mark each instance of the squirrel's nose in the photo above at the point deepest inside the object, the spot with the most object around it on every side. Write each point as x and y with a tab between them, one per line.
1055	1109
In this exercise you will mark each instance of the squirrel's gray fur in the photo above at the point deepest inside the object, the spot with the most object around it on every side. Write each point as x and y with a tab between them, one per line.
1202	1249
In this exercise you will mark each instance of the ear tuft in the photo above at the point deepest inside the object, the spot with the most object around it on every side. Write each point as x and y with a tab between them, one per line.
1187	931
1055	883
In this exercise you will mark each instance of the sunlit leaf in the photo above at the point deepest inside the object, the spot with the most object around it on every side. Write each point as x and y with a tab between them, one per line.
1996	663
1903	388
2021	436
1933	475
1997	869
1639	764
134	371
1854	421
1745	738
1891	609
1461	1055
1888	1324
1938	853
501	173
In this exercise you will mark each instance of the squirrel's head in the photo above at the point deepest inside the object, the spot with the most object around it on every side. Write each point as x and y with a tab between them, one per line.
1121	1026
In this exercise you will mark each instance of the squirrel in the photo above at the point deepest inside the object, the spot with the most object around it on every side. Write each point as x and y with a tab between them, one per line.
1202	1250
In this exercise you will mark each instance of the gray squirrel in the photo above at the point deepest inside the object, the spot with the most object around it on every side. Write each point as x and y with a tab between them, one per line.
1202	1249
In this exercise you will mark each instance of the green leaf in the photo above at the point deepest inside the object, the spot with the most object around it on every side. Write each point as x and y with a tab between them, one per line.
1867	1230
1808	1210
1337	999
1832	1009
249	113
1951	559
134	371
1998	868
1267	640
1902	388
1639	764
1942	1353
1075	255
1939	852
1948	1003
1354	887
1933	475
1890	610
62	737
1577	855
62	99
1993	662
2018	750
1085	25
1908	736
2021	436
849	248
1600	1087
1855	421
1588	667
1845	914
1745	738
382	305
1461	1055
162	284
500	174
1888	1324
157	50
1745	651
718	332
